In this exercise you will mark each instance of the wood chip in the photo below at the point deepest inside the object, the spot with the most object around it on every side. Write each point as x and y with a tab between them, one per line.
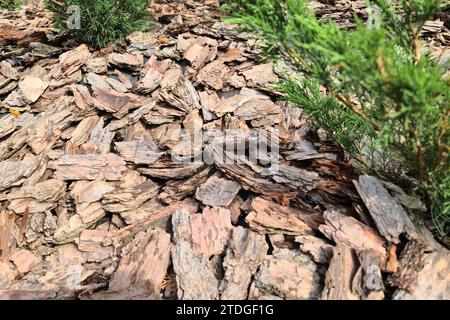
24	261
351	232
244	255
14	171
418	268
196	279
145	265
89	167
286	274
208	233
261	75
217	191
269	217
214	75
340	275
391	219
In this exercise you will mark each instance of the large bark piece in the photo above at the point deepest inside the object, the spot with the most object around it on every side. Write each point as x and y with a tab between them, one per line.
145	265
89	167
259	112
119	104
16	171
130	198
179	189
24	261
217	191
208	233
244	255
351	232
138	151
286	274
340	275
149	220
261	75
37	198
319	249
390	217
269	217
297	178
196	280
127	60
213	75
423	273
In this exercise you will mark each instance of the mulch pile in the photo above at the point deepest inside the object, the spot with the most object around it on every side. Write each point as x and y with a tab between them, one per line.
97	200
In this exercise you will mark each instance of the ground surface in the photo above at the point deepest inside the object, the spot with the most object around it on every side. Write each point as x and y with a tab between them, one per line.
94	205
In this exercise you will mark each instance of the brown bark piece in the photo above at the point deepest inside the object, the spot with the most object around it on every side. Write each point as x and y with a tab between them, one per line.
260	112
245	253
89	192
208	233
269	217
138	151
89	167
371	283
319	249
248	179
87	215
294	177
340	275
172	171
81	134
217	191
351	232
117	103
143	221
260	75
127	60
176	190
14	172
179	92
287	274
229	105
96	65
71	61
130	198
197	55
196	279
214	75
32	87
145	265
37	198
24	260
423	273
390	217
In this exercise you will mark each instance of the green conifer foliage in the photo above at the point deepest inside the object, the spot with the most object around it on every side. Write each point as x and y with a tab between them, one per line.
376	92
102	21
9	4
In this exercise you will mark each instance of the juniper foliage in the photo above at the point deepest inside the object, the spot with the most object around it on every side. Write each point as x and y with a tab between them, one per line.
102	21
9	4
376	92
